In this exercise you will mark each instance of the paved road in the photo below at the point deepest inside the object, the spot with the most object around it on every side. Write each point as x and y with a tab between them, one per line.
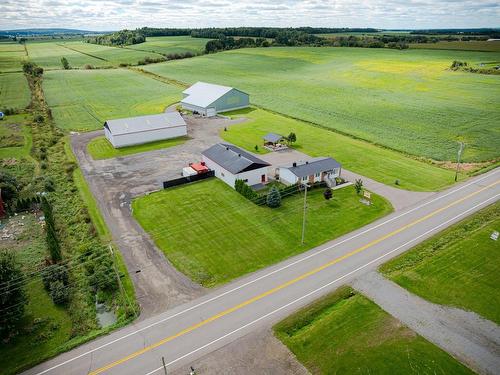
187	332
467	336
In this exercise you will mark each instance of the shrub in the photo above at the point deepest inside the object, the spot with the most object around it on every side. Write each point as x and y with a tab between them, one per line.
52	273
49	184
38	119
89	67
59	292
65	63
241	187
274	198
328	194
358	185
103	276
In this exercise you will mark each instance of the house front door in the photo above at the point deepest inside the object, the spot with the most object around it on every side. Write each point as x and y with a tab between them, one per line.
263	178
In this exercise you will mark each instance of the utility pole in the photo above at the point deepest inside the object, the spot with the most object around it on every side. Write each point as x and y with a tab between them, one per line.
164	366
460	150
304	216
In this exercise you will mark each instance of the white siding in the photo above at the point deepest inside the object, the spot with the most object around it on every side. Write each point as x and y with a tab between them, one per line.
287	177
252	177
194	108
124	140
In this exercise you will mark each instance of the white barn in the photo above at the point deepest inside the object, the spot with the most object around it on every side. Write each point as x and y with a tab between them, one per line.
144	129
231	163
311	171
208	99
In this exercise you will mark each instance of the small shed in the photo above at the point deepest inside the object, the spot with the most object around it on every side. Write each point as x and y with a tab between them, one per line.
144	129
208	99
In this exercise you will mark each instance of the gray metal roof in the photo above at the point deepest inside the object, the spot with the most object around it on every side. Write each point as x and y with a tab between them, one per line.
144	123
233	159
202	94
316	165
273	137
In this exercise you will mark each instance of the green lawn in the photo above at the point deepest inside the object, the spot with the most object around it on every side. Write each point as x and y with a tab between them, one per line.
458	267
14	91
85	99
406	100
213	234
100	148
362	157
171	44
346	333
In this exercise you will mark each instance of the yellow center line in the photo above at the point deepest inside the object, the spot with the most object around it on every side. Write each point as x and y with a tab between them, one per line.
286	284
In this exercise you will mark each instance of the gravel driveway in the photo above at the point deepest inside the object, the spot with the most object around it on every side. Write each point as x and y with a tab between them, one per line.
468	337
115	182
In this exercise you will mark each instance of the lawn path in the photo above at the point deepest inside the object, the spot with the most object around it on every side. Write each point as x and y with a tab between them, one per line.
465	335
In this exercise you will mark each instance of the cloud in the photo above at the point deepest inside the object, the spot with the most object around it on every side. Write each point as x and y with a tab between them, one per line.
119	14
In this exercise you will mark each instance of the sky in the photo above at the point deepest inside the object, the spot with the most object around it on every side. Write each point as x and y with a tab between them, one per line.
120	14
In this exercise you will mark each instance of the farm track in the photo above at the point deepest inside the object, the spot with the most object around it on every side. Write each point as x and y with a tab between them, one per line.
83	53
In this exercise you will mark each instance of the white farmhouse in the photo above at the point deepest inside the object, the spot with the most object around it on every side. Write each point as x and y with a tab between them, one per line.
311	171
144	129
231	163
208	99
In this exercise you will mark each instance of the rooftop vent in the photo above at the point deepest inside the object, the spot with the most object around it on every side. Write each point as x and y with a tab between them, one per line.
239	155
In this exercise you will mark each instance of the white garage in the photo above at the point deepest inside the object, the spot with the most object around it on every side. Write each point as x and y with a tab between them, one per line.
144	129
208	99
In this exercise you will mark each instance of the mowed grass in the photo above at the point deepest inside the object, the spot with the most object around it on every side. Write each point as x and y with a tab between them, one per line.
14	91
406	100
372	161
459	267
49	54
101	148
11	56
473	45
85	99
171	44
213	234
346	333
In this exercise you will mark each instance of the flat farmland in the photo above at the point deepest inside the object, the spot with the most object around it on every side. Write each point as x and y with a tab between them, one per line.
111	55
11	57
171	44
14	91
405	100
473	45
48	55
84	99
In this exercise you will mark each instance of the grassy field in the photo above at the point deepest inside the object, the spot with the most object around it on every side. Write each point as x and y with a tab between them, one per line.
378	163
15	137
406	100
459	267
85	99
100	148
14	91
464	46
345	333
209	231
11	56
48	55
171	44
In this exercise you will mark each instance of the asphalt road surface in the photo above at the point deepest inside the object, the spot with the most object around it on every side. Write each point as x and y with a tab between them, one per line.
189	331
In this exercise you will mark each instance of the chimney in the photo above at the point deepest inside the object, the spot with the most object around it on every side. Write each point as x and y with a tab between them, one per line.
239	155
294	164
307	162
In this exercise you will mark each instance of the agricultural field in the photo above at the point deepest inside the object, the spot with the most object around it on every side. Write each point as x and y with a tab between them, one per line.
478	45
15	137
171	44
223	226
85	99
14	91
48	55
459	267
111	55
11	56
378	163
345	332
406	100
101	148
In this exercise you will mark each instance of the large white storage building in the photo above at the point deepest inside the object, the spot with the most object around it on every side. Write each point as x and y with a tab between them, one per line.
208	99
144	129
231	163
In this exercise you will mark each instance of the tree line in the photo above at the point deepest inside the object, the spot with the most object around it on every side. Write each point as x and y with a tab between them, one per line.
119	38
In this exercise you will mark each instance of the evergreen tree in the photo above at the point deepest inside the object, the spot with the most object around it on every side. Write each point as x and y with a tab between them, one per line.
13	297
328	194
274	198
358	185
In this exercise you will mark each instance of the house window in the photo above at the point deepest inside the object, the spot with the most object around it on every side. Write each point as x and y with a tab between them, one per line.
304	178
317	175
245	180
